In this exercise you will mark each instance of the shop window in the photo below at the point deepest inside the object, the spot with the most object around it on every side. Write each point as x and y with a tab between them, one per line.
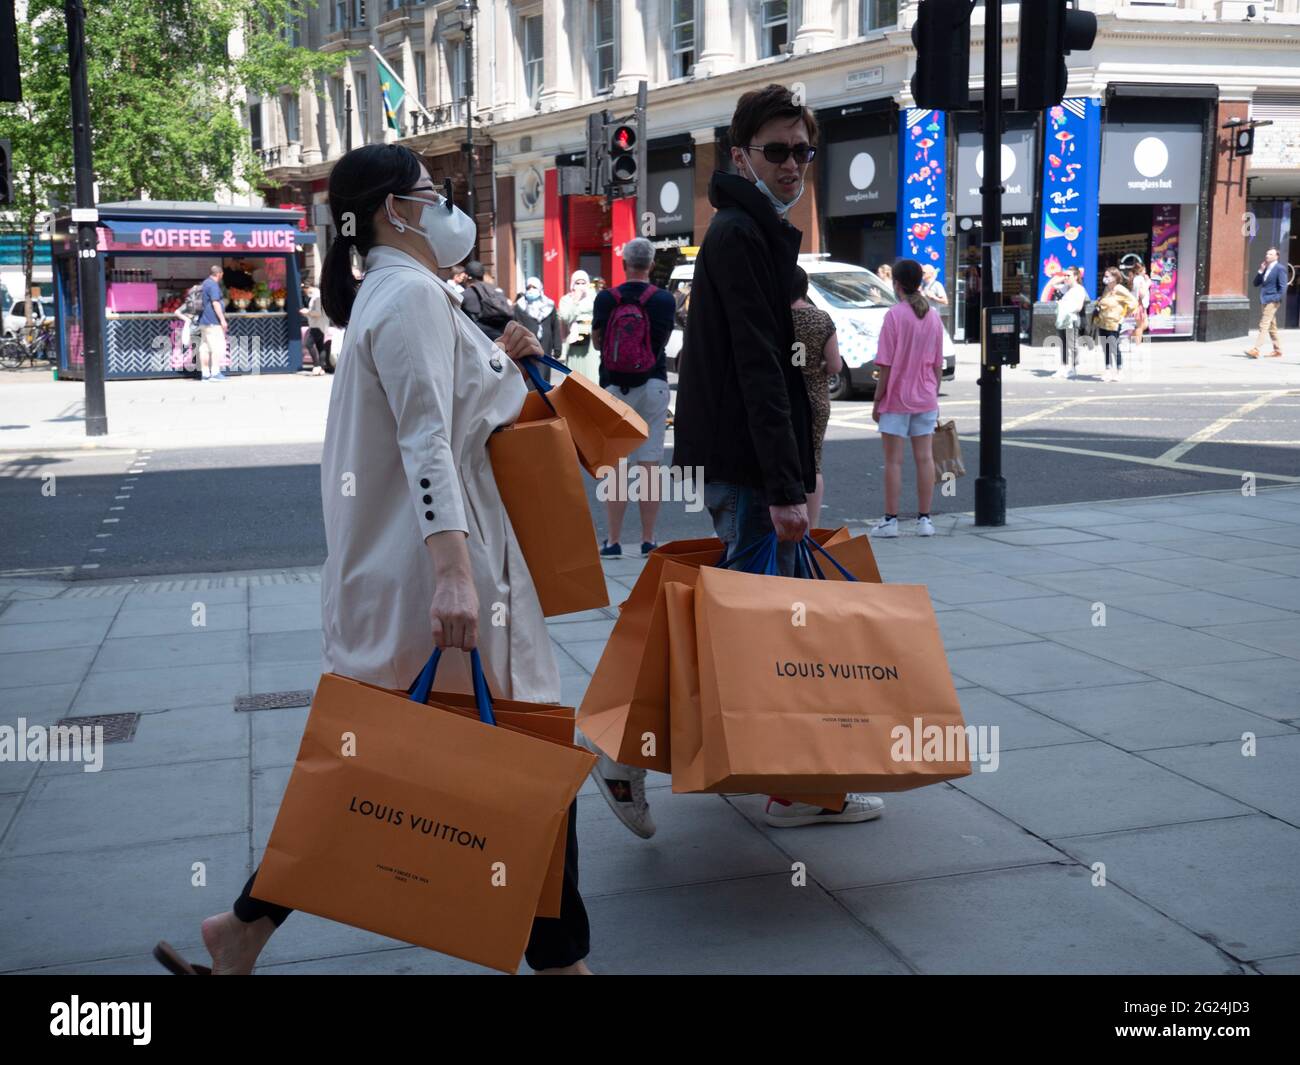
531	47
605	64
683	38
420	85
530	261
879	15
255	125
289	106
774	27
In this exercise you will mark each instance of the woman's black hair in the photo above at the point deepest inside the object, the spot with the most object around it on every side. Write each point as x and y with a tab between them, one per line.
908	277
358	185
799	288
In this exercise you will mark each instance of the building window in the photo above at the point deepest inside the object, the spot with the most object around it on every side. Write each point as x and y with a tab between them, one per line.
339	14
358	12
255	125
530	261
361	101
774	25
532	49
455	53
338	99
418	59
683	39
879	15
605	66
289	104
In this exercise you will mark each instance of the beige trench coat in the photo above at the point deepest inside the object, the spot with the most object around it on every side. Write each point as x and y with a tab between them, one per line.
418	391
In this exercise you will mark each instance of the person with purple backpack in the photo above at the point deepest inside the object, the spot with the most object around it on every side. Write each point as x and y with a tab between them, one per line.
631	324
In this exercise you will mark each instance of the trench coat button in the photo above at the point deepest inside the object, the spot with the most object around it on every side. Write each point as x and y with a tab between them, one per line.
428	499
428	515
495	363
424	482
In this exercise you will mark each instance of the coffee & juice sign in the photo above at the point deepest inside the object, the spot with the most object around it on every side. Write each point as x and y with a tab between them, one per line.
193	237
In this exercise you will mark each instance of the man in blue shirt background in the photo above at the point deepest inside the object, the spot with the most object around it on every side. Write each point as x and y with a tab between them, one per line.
212	328
1271	282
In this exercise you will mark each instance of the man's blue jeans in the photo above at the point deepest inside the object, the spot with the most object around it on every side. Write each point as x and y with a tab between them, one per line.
741	519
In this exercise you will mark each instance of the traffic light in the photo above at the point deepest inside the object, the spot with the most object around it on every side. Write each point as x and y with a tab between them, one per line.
941	37
1049	31
11	90
622	154
6	192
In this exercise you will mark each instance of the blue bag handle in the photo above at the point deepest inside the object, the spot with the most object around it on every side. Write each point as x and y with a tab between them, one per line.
482	697
758	557
806	548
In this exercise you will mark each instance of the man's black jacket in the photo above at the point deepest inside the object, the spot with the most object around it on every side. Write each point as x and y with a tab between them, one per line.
742	407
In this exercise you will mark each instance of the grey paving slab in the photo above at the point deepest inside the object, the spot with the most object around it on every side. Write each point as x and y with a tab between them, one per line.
41	702
279	594
752	926
286	676
1192	572
900	570
129	965
1265	780
960	834
184	598
962	628
1201	609
583	615
1210	876
1229	547
1079	788
986	587
1147	509
573	686
1018	726
585	652
1074	517
1152	644
22	669
278	648
699	838
172	737
159	621
161	689
1281	592
141	894
1269	686
195	647
584	631
1039	666
268	786
1287	966
1286	564
1145	532
64	609
1048	535
305	937
1280	637
17	776
1051	613
1149	715
1103	583
284	617
276	735
1278	534
395	961
566	663
1227	522
53	635
1106	552
125	807
1042	919
8	807
1026	560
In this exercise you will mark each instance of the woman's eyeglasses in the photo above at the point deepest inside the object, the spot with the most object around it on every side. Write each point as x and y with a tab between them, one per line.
779	153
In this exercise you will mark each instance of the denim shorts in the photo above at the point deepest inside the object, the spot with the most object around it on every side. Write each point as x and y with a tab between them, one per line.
910	424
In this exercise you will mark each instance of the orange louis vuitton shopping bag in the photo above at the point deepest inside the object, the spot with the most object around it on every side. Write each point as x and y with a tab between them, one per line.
790	686
414	822
604	428
541	487
625	709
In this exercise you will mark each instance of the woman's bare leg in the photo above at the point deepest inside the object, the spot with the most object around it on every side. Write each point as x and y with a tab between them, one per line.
234	944
893	446
923	452
815	502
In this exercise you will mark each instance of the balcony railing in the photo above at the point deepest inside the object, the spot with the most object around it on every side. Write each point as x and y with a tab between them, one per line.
280	155
444	116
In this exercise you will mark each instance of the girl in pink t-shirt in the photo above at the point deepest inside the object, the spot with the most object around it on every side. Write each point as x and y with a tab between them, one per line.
909	359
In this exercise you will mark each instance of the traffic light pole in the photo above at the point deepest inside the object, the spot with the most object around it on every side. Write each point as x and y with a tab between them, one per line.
641	141
88	290
990	485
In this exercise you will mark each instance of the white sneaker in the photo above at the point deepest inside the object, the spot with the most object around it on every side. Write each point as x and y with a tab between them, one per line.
924	527
781	813
1073	374
623	787
885	529
1061	373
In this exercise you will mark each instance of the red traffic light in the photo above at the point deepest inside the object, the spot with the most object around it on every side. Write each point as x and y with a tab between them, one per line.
624	139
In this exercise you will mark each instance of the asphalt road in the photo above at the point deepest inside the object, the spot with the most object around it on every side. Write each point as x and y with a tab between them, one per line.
242	508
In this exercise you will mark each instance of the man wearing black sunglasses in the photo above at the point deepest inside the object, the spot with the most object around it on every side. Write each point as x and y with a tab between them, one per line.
742	408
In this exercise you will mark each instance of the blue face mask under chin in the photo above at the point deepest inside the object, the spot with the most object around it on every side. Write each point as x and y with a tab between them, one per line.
779	206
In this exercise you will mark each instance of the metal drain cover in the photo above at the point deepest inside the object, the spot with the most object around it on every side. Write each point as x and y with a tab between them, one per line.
118	728
272	700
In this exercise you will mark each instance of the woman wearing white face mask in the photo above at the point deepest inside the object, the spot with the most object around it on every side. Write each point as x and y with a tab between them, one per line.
576	309
536	312
420	550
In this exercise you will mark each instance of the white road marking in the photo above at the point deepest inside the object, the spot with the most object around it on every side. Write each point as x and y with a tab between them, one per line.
1215	427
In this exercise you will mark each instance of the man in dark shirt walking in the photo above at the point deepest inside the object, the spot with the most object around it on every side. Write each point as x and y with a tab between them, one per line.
212	328
644	390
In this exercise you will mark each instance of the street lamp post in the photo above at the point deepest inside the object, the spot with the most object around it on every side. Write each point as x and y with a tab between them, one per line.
468	10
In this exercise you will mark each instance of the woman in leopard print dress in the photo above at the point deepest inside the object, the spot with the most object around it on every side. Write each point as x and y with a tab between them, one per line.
815	330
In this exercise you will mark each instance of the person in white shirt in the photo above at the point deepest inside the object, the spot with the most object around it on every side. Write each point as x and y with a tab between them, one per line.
1140	286
931	288
1069	314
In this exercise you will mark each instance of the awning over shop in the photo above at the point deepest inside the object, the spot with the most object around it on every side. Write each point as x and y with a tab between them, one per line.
172	236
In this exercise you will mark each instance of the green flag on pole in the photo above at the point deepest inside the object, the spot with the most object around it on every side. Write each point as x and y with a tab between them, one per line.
392	91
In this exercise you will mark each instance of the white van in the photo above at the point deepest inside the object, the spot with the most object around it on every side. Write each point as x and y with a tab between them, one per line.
857	301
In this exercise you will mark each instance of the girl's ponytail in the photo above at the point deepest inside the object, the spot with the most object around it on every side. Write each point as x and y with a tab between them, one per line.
907	276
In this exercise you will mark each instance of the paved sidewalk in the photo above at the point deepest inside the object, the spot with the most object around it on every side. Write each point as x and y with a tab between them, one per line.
1121	744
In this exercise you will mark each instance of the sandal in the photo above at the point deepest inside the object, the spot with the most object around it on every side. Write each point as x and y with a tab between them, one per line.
176	965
